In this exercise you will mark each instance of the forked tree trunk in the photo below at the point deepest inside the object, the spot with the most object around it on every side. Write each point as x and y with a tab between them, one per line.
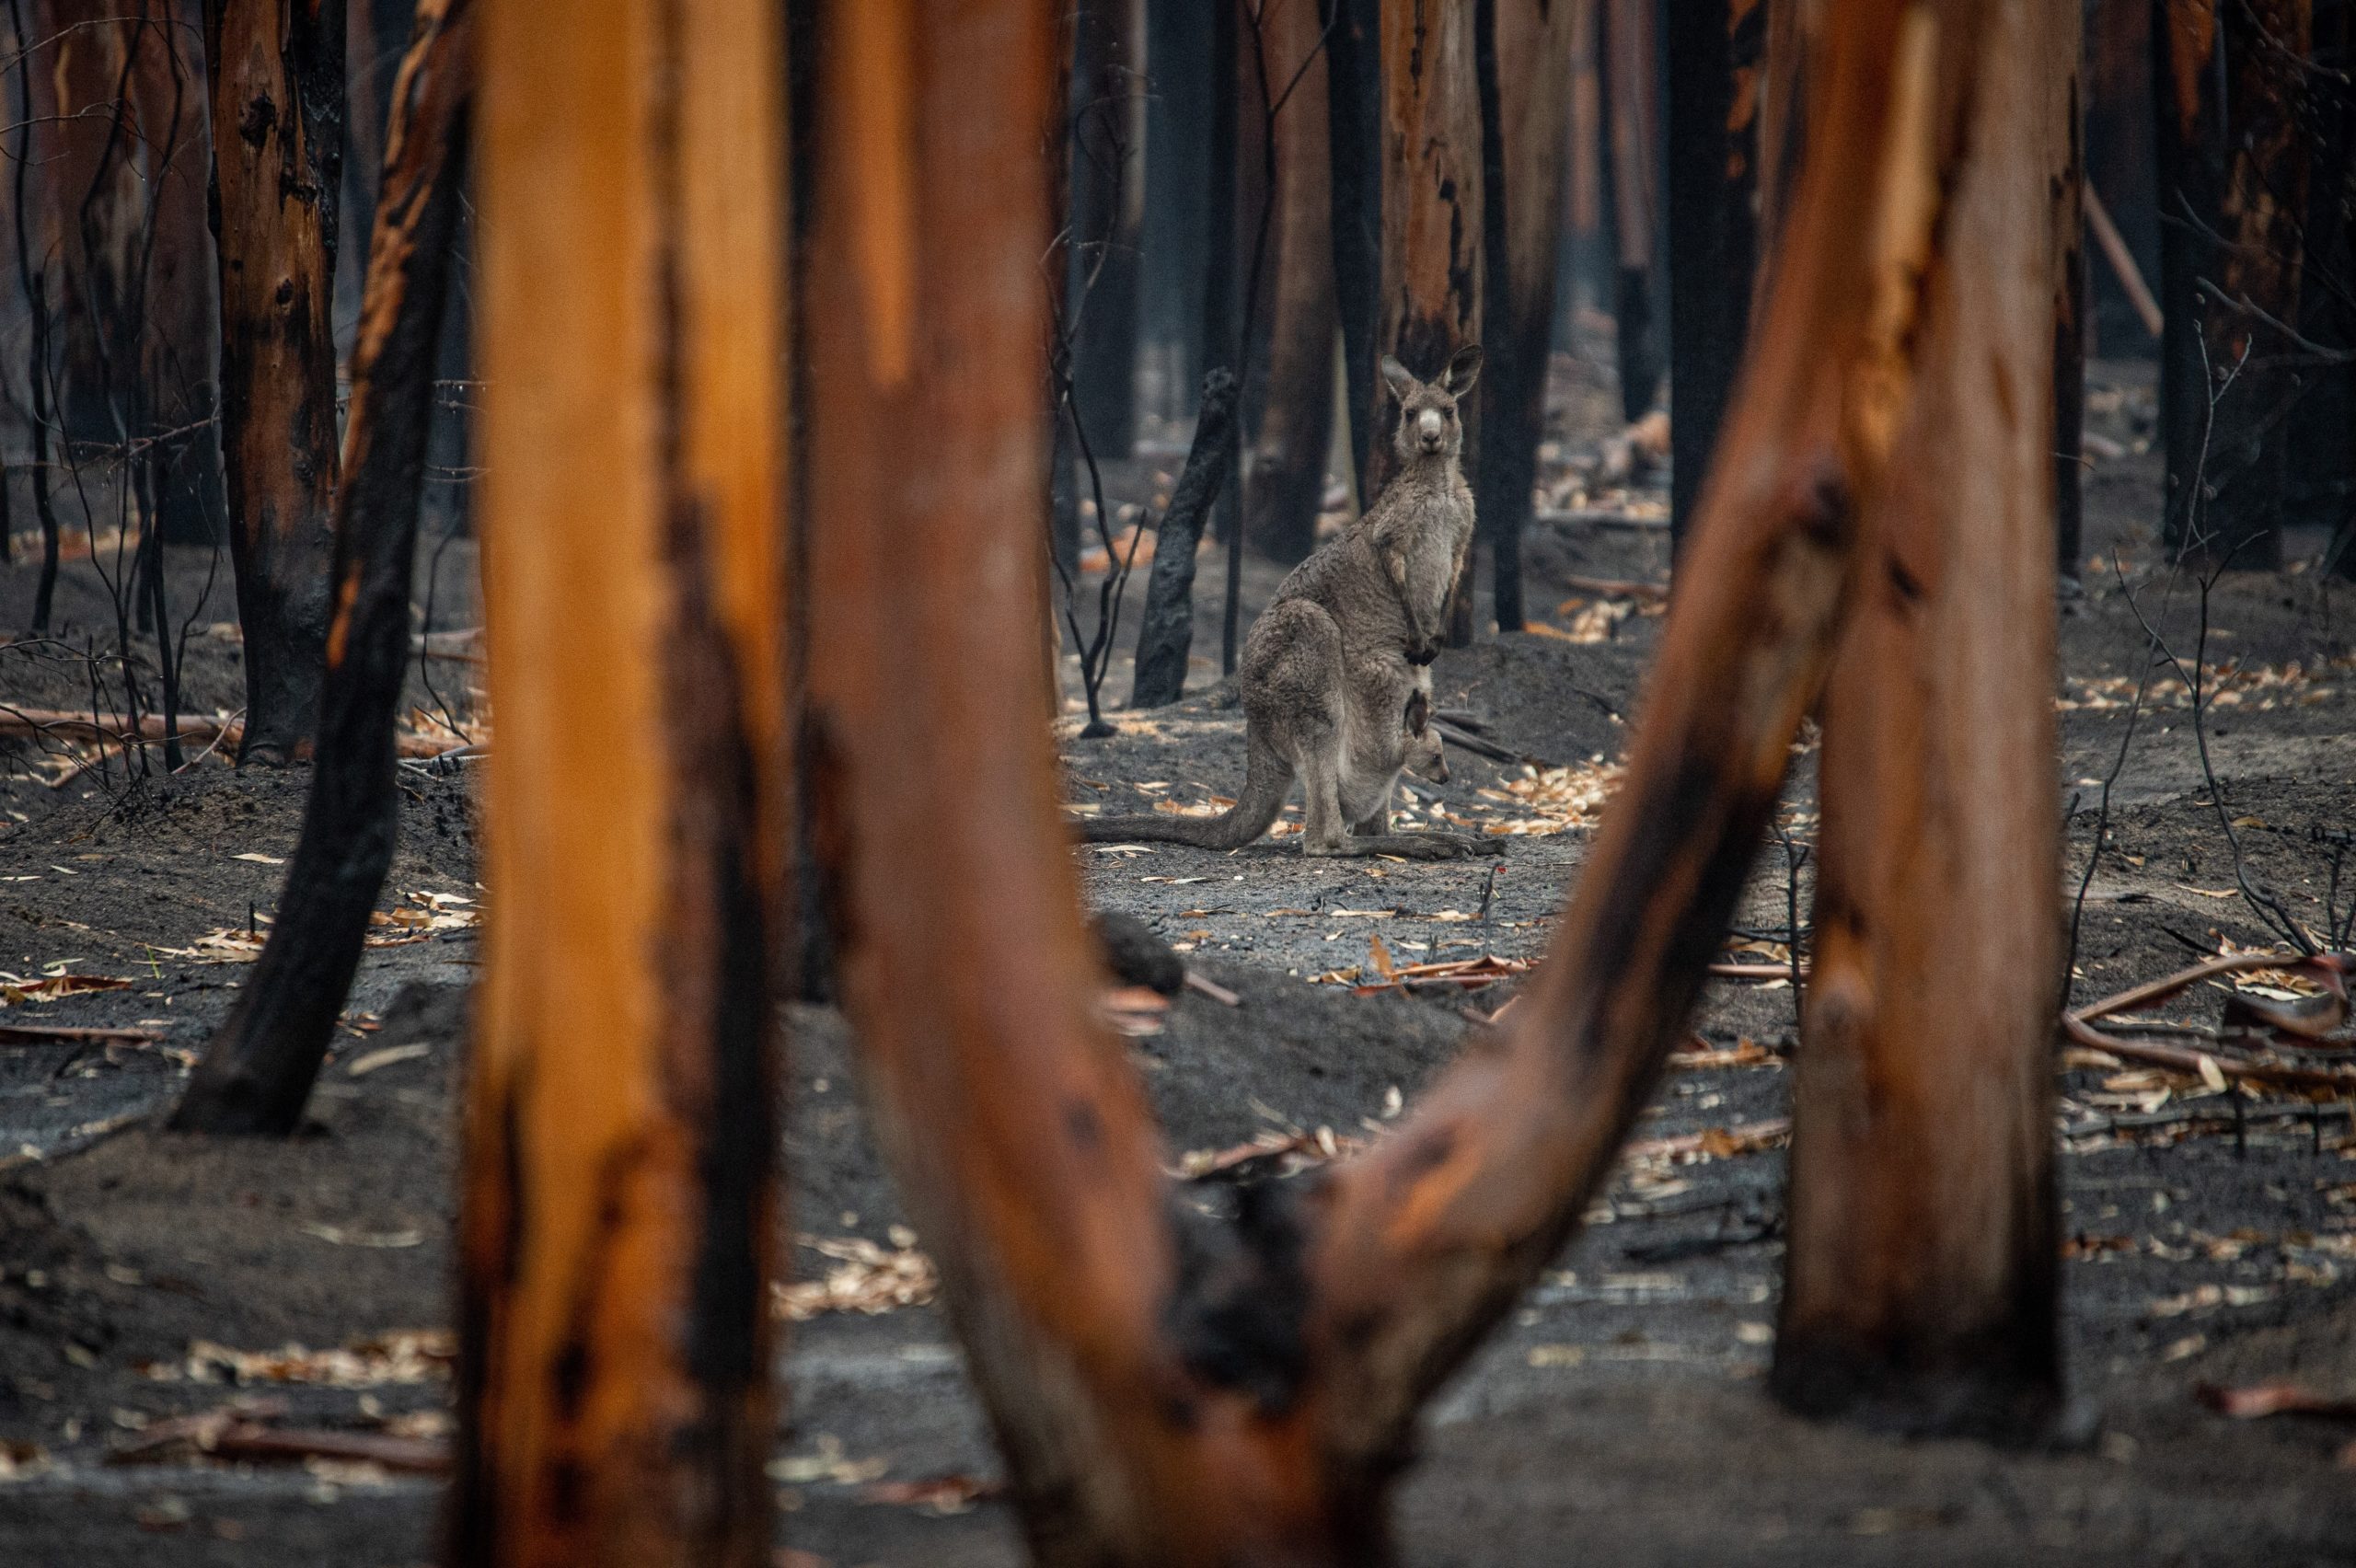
1631	146
258	1071
1716	55
2065	187
277	70
1525	57
1170	1390
1432	223
1287	474
1354	128
617	1215
1920	1291
2233	189
1108	217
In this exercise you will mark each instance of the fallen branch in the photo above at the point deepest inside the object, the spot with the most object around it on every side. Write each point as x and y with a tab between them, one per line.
1619	588
2169	985
2184	1060
1600	517
59	1034
1213	989
57	725
2122	260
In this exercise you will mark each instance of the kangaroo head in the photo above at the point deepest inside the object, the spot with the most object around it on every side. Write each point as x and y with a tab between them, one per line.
1428	423
1424	759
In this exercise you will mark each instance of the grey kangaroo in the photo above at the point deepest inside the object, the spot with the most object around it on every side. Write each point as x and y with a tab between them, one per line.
1334	679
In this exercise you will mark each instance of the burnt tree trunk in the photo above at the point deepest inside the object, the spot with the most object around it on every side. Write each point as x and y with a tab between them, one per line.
1432	222
1178	115
617	1217
1525	60
277	167
1716	56
2065	188
1631	146
257	1073
1354	135
2323	430
1166	626
2233	189
1108	218
1286	480
1920	1292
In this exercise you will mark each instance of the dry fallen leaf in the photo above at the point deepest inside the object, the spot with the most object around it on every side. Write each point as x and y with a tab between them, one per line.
866	1278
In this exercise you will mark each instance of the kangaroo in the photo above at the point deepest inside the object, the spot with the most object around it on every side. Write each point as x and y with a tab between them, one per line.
1334	676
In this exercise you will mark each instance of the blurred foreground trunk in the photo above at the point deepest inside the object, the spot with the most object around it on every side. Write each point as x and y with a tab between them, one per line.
614	1390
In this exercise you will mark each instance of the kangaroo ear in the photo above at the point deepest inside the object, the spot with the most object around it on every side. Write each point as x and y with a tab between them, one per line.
1464	370
1403	383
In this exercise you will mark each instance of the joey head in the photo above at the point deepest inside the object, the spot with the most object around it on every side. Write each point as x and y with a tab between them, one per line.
1333	677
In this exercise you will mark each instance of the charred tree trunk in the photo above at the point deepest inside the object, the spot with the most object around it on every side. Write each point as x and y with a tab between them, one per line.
617	1213
1632	145
1587	268
33	279
1432	222
2065	187
278	100
1354	135
1525	60
1166	628
1108	218
2233	189
2121	160
2323	430
1170	1390
1222	322
1923	1264
1178	116
1287	474
257	1073
1717	53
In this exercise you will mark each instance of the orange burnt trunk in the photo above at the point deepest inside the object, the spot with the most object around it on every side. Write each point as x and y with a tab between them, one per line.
1285	479
1432	222
1922	1257
1525	73
615	1403
277	71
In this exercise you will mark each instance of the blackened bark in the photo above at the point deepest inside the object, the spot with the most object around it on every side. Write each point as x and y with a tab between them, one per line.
1717	48
1107	217
278	98
2232	188
1166	629
2068	335
1219	346
1629	197
258	1072
1354	126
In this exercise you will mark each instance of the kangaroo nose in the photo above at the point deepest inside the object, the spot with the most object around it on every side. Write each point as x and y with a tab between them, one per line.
1427	426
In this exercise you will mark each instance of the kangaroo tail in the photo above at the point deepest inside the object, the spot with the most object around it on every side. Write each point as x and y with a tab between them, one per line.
1266	776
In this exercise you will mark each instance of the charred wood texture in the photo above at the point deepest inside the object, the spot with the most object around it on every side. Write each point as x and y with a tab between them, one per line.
32	276
257	1073
2065	190
1286	476
1525	61
2232	174
1432	222
1716	57
277	169
2323	431
1108	218
1631	150
617	1217
1921	1269
1166	629
1354	134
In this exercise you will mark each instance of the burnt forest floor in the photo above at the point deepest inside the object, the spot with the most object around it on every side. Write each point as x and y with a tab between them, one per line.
1618	1419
